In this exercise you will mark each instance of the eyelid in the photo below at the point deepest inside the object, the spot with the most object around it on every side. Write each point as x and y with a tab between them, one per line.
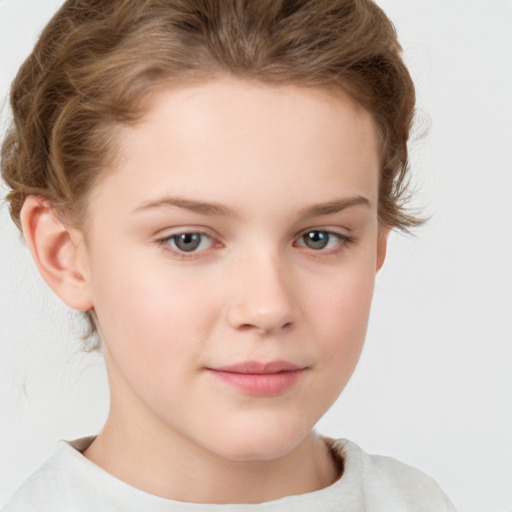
344	240
163	241
342	232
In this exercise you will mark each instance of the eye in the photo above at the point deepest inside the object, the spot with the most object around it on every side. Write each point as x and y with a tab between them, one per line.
189	242
320	239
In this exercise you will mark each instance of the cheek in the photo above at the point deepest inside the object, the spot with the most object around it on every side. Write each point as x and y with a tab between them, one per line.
337	318
148	311
153	328
342	313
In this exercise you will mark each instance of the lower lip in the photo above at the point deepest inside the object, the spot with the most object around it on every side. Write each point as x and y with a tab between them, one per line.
264	384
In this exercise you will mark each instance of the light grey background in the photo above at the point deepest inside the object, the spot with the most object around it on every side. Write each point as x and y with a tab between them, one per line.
434	385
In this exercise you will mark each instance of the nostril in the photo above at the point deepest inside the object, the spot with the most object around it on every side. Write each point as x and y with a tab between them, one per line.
246	327
265	329
287	326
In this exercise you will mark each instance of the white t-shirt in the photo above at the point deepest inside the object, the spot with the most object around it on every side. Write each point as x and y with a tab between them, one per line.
69	482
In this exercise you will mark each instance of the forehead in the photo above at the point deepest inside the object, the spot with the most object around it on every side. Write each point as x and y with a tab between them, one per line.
224	109
234	139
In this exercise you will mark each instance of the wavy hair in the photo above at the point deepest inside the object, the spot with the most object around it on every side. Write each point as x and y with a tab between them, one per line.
97	60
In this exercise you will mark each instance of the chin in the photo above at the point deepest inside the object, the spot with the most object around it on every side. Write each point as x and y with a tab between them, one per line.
269	442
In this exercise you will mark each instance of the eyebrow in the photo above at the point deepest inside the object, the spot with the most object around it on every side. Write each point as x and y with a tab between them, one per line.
216	209
335	206
203	207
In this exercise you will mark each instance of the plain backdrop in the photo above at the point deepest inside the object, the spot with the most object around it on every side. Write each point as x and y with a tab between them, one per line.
434	384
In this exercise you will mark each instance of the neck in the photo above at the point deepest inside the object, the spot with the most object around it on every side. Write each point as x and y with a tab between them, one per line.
168	465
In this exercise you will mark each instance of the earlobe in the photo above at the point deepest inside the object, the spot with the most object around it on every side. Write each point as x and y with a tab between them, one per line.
382	245
57	252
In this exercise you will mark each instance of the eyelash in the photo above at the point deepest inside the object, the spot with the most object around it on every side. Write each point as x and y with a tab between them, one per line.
165	243
344	241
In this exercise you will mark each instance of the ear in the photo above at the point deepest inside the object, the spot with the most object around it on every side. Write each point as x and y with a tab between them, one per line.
58	252
382	245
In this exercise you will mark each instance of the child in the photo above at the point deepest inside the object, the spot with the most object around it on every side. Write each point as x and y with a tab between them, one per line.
213	184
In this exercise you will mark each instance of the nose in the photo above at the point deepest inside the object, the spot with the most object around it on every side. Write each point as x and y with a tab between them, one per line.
263	299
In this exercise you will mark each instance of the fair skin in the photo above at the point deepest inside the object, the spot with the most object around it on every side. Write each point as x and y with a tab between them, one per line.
273	190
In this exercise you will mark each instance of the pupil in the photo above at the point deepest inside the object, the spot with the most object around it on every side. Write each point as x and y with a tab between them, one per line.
188	241
316	239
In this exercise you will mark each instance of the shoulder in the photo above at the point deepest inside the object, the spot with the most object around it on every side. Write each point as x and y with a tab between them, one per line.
388	484
51	486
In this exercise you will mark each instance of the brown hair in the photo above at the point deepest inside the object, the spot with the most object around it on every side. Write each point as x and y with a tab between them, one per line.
97	59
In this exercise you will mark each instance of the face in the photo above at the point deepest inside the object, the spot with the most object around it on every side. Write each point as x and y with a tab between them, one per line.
231	258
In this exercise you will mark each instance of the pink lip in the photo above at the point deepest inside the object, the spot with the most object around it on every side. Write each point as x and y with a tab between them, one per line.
260	379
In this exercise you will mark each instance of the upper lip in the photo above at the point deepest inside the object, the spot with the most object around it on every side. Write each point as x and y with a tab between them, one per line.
259	368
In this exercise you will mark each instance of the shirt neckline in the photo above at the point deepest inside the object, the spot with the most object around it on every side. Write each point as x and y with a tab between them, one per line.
98	477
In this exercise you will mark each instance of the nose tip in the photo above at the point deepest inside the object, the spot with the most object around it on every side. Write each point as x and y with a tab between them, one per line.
247	318
265	302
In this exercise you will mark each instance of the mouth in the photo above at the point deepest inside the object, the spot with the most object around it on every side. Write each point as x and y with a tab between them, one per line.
260	379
